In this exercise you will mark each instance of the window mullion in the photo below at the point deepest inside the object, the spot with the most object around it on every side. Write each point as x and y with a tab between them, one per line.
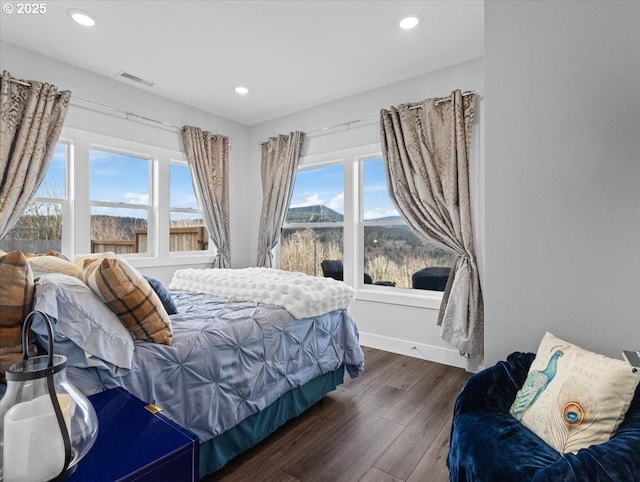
350	222
81	206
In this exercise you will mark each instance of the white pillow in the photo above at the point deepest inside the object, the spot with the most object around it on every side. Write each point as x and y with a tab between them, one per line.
86	321
573	398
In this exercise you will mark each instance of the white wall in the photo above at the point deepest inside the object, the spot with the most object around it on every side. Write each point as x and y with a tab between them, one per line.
387	325
562	175
26	64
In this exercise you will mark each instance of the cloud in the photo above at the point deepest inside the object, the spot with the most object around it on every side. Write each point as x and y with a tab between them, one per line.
380	213
311	200
136	198
59	158
337	203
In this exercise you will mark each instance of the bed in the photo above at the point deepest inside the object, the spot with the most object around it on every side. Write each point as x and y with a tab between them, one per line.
242	359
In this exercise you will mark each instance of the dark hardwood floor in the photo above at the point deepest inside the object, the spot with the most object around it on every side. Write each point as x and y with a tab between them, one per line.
390	424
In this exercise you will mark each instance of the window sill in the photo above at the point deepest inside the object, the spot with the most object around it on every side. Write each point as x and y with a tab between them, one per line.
173	260
400	296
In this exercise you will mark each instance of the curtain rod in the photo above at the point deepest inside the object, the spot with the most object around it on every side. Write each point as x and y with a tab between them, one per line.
371	117
20	82
167	124
107	107
444	99
343	124
127	114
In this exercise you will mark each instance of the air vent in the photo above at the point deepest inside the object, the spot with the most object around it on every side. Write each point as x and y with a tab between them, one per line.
134	78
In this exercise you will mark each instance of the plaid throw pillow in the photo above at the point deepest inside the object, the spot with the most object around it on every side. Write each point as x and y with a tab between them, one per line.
16	296
130	297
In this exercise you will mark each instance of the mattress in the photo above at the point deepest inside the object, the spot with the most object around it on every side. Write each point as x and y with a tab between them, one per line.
229	360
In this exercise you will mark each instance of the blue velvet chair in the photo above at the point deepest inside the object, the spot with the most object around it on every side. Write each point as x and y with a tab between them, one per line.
489	445
433	278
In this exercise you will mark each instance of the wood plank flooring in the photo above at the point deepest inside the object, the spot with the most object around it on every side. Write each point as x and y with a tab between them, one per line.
391	424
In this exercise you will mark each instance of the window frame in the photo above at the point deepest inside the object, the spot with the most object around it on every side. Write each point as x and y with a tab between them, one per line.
66	236
362	223
305	164
76	228
172	209
353	229
151	213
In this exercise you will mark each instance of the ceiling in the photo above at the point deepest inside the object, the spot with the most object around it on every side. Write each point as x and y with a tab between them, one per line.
292	54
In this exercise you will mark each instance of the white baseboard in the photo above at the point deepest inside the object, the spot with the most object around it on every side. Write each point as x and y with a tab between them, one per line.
446	356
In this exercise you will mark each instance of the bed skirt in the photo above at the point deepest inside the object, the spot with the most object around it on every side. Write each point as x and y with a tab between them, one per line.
215	453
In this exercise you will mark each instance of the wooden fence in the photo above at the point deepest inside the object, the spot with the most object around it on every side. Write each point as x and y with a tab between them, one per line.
31	245
191	238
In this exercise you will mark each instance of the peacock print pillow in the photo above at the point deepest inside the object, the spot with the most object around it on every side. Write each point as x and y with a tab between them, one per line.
573	398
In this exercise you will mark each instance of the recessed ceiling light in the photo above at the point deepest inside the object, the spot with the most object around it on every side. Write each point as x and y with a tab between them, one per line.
81	17
241	90
410	21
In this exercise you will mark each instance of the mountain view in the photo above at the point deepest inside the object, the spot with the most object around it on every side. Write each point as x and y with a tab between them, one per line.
313	214
392	253
322	214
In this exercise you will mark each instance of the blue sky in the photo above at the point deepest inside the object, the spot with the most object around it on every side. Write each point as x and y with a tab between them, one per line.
54	184
376	202
325	185
181	194
120	178
107	183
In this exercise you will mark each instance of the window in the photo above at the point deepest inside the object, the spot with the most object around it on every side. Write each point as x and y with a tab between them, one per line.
119	193
39	229
187	231
391	251
342	210
102	193
313	229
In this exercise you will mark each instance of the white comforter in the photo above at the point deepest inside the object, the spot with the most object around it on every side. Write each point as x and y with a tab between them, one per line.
300	294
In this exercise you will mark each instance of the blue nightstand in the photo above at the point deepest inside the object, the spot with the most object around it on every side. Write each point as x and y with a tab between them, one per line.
135	444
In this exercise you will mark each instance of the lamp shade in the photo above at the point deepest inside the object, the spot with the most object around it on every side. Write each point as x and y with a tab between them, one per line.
46	424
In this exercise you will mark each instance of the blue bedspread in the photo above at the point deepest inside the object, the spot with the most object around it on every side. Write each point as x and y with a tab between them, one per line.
229	360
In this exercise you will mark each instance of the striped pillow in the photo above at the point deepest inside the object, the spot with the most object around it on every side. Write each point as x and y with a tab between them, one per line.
130	297
16	297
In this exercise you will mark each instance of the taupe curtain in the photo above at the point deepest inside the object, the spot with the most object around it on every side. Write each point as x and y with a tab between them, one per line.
280	156
426	151
208	157
31	118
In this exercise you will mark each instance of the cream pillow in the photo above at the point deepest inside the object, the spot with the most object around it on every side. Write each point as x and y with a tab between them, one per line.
41	265
573	398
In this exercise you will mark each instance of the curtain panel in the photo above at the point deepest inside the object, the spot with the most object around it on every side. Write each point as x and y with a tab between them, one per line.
280	156
426	150
208	157
31	118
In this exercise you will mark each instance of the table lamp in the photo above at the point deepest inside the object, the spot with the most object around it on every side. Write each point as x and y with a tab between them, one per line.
46	424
